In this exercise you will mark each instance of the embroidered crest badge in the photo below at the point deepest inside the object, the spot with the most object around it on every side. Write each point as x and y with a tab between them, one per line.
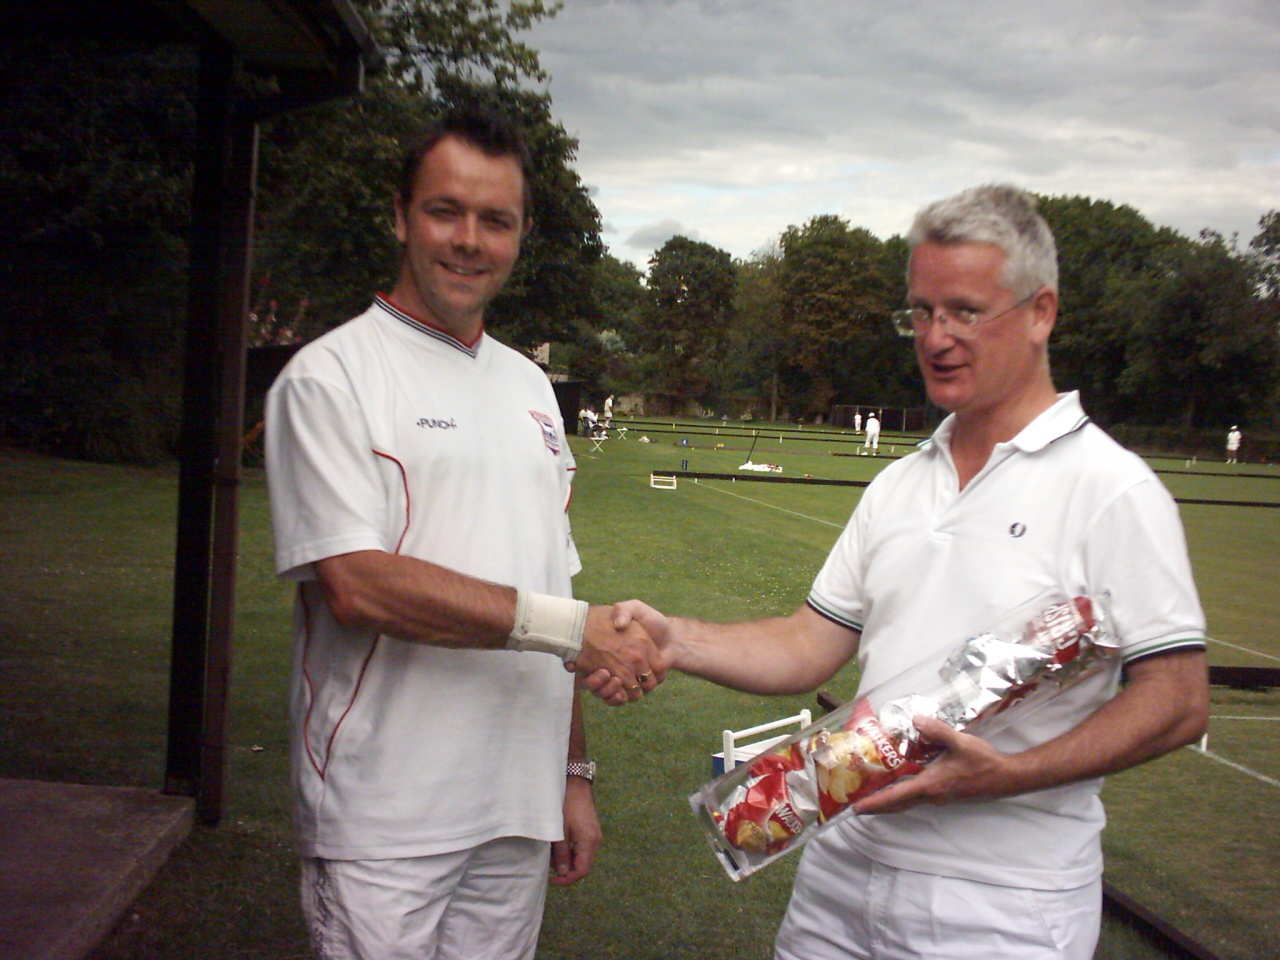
549	435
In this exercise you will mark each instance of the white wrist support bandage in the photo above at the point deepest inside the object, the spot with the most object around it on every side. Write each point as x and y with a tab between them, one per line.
548	624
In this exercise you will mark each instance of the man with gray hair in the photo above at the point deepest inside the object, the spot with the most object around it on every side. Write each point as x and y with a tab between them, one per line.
993	851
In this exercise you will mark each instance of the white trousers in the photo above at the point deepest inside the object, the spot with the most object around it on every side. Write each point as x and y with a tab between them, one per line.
847	907
484	903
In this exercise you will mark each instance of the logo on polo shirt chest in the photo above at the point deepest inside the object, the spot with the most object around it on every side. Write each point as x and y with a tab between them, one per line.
1017	529
437	423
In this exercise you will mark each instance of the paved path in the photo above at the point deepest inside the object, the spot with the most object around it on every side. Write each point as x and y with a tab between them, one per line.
72	859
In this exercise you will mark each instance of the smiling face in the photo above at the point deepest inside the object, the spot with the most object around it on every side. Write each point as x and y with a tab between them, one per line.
461	233
997	371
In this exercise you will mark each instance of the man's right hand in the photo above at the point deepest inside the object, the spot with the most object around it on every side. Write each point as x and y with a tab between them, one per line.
617	664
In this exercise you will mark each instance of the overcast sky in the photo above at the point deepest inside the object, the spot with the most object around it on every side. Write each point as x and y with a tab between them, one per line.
729	120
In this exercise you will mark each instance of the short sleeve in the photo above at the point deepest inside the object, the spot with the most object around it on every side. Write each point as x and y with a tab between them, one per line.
838	589
324	480
1137	553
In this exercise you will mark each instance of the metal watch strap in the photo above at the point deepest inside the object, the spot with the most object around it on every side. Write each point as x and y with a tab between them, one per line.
586	769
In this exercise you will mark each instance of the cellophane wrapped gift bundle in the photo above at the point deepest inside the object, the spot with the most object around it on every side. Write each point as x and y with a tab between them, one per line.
775	803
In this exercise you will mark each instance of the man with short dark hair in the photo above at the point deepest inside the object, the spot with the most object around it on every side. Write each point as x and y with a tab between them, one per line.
419	476
993	852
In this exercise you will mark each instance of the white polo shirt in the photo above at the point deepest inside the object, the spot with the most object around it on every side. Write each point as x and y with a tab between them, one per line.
387	434
922	565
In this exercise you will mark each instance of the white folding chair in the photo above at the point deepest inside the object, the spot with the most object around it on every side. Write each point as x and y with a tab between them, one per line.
736	752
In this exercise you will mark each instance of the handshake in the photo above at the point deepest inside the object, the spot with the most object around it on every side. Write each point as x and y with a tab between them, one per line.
625	652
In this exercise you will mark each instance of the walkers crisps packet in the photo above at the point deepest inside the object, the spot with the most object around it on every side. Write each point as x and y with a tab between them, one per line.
775	803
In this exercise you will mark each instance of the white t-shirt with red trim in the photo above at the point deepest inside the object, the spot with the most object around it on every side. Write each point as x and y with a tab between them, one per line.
388	434
922	565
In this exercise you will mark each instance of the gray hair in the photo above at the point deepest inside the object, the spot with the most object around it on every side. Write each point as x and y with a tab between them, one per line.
998	214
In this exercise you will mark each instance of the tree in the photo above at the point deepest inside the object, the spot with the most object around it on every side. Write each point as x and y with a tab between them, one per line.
1155	327
840	284
602	355
756	342
469	40
619	297
1106	267
689	309
1206	352
1265	250
94	178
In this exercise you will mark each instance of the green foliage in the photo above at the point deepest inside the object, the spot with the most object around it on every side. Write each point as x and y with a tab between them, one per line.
756	342
839	285
1265	248
620	297
94	181
1159	328
1203	350
469	40
1105	257
690	307
325	230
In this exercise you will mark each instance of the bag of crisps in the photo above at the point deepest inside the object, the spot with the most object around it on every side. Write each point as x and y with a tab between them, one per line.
773	804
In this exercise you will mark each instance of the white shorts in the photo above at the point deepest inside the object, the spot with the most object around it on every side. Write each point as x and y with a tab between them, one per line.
484	903
847	907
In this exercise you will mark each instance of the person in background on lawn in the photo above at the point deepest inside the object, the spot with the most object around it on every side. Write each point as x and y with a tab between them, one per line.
872	441
992	852
1233	444
419	476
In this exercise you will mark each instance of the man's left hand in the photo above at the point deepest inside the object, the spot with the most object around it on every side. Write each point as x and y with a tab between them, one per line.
572	857
969	768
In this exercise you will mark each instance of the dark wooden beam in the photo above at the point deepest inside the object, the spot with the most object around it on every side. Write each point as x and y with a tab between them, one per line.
212	424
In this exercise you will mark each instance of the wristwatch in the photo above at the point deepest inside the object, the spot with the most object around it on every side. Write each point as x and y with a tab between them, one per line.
586	769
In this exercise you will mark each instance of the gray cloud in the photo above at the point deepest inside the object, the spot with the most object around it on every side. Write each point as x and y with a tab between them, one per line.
652	236
737	118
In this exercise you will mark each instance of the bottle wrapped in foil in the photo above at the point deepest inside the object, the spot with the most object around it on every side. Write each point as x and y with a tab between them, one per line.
780	800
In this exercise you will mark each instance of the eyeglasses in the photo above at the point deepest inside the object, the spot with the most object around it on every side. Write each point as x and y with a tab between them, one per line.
962	323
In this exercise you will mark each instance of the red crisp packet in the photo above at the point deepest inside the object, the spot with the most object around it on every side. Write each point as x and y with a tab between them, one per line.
859	758
777	802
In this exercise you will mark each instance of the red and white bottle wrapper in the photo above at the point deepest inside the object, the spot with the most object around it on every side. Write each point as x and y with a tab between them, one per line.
777	802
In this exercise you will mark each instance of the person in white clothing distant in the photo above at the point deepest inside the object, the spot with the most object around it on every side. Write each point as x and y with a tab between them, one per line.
419	476
872	441
993	852
1233	444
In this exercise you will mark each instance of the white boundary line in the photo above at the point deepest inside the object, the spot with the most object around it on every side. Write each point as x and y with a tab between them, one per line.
802	516
1256	653
1235	766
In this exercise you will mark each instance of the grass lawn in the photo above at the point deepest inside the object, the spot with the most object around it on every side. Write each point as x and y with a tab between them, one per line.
86	555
